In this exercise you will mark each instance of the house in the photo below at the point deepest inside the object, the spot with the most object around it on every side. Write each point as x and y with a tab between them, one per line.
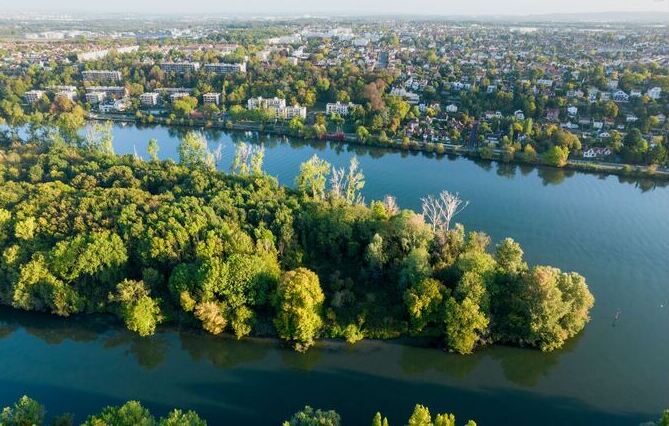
631	118
635	94
492	88
520	115
452	108
572	111
553	114
596	152
655	93
118	105
489	115
621	96
340	108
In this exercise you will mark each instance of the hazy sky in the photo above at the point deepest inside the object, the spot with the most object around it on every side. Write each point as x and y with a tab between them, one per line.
292	7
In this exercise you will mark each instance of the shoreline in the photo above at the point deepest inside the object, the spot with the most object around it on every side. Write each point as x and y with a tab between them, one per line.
591	167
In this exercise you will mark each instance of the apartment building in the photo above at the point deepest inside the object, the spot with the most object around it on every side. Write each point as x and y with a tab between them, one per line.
266	103
211	98
180	67
95	98
69	92
291	112
178	95
222	68
101	75
110	91
33	96
149	98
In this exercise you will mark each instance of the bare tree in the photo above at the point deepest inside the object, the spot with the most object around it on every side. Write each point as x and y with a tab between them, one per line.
218	154
337	183
391	206
440	211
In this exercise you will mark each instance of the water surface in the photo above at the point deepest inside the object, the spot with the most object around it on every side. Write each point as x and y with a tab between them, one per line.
615	232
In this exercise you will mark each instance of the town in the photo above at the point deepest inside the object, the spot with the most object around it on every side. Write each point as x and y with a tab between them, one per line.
542	93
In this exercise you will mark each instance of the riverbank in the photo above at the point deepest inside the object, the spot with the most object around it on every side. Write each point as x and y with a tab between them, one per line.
600	168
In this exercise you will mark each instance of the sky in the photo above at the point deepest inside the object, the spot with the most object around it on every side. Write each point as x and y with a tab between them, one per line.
296	7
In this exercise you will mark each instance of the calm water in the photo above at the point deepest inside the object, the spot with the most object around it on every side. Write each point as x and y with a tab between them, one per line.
614	232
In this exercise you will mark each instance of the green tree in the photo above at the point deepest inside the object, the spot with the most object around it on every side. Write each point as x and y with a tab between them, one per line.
139	311
312	178
129	414
310	417
25	412
299	301
556	156
153	149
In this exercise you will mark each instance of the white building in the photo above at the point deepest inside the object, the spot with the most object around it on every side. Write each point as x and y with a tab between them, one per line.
266	103
111	91
118	105
211	98
655	93
340	108
101	75
572	111
178	95
222	68
149	98
520	115
291	112
33	96
621	96
410	97
180	67
452	108
99	54
95	98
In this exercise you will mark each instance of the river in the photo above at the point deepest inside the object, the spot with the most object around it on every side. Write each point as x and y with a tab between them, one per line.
613	231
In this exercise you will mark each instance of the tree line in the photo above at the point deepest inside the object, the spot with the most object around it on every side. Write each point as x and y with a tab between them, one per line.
27	411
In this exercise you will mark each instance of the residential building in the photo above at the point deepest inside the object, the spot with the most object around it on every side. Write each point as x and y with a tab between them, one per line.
655	93
110	91
149	98
180	67
211	98
452	108
222	68
99	54
178	95
266	103
340	108
33	96
291	112
101	75
95	98
621	96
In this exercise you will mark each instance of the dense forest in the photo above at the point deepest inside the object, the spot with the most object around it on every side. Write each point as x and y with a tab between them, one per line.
85	231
